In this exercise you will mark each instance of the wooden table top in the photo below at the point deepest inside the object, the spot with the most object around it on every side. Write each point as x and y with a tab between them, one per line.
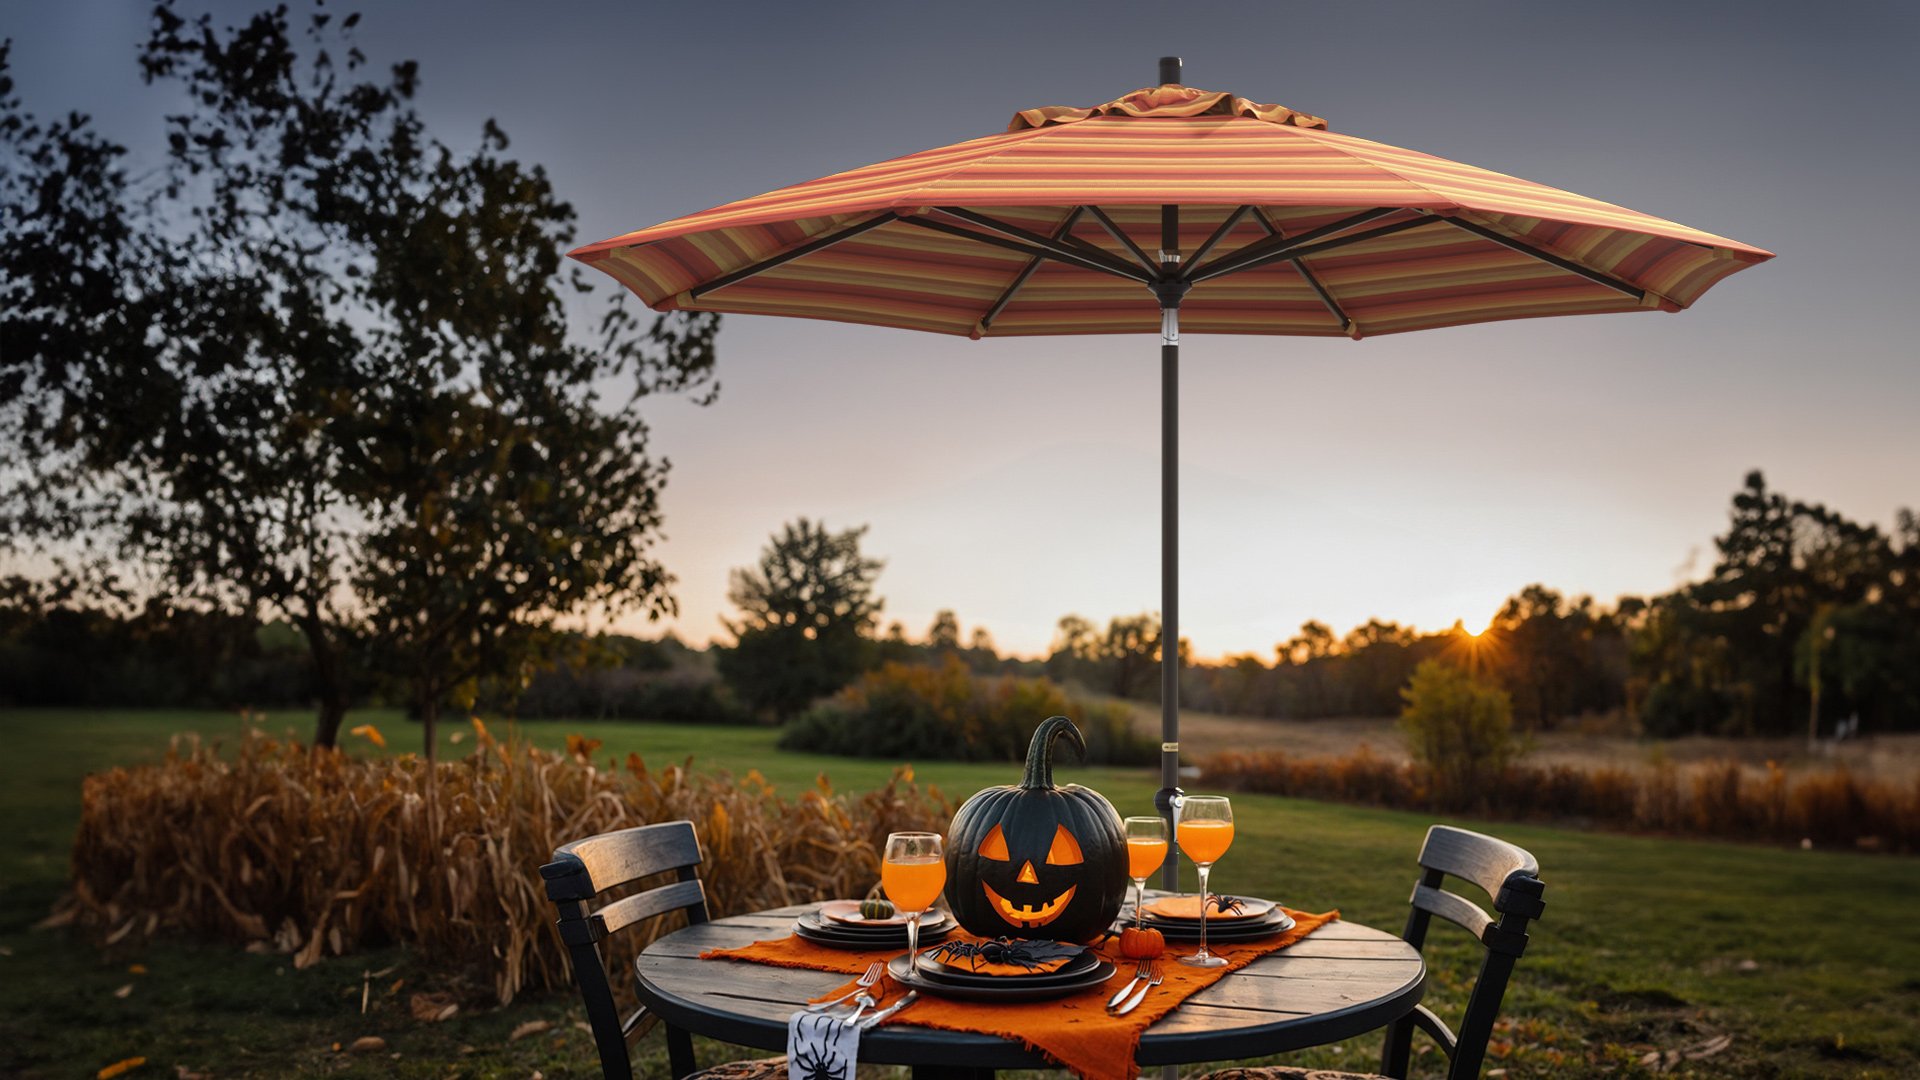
1343	980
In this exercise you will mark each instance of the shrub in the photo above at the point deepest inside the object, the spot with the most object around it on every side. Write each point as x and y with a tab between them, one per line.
946	711
1461	729
683	695
318	854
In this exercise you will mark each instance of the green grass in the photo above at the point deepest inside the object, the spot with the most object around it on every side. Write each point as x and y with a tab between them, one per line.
1809	960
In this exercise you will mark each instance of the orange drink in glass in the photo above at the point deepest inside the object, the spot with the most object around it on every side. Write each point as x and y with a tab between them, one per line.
913	871
1205	830
1146	850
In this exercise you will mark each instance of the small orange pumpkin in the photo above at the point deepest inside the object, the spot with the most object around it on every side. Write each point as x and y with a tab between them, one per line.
1137	943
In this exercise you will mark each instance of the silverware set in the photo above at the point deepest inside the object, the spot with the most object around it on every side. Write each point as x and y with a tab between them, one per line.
1145	977
863	1000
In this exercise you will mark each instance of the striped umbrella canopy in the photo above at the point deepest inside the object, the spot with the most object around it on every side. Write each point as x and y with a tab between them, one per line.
1170	208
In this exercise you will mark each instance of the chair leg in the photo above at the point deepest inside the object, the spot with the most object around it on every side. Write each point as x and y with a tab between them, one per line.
679	1052
1396	1055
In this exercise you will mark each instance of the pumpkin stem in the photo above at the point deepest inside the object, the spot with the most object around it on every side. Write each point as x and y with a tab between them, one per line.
1040	750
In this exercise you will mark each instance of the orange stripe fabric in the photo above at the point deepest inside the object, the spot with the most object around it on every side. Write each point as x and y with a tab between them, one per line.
1209	154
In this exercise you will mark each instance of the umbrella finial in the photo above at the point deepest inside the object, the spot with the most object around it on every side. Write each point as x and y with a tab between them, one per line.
1169	70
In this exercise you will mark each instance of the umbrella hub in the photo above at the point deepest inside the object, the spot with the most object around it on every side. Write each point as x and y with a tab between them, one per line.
1169	290
1170	102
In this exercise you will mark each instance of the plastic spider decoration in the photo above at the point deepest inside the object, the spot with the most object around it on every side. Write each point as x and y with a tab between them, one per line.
1024	954
1227	905
822	1056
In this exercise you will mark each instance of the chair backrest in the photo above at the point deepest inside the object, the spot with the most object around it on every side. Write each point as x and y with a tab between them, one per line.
1511	877
584	869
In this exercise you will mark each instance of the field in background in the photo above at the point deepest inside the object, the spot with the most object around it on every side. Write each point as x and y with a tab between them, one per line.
1889	757
1806	959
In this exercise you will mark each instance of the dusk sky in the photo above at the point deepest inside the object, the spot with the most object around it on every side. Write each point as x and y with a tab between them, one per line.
1420	477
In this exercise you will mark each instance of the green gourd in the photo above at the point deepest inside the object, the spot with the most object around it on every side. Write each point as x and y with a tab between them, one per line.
875	908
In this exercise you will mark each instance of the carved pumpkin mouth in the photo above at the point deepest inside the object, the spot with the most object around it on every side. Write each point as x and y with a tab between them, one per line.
1026	914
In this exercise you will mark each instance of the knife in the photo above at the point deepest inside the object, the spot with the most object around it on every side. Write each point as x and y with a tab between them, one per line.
878	1018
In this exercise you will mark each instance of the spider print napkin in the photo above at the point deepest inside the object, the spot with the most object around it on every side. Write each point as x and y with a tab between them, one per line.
1004	956
821	1047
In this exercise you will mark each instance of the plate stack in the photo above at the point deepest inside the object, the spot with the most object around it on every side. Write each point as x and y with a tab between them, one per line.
838	924
1229	918
1062	970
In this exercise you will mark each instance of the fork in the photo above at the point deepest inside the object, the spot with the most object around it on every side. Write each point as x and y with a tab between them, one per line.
1134	1001
871	976
1140	972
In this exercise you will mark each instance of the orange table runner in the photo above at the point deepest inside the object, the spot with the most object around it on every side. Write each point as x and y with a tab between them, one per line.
1075	1031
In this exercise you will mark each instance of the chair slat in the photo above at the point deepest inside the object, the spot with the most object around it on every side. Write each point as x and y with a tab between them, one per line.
1455	909
1484	860
616	858
621	914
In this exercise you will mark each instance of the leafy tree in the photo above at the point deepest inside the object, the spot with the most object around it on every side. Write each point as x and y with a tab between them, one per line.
323	369
1459	727
806	610
944	634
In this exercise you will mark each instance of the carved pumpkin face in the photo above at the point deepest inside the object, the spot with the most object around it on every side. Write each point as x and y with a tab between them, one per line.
1035	860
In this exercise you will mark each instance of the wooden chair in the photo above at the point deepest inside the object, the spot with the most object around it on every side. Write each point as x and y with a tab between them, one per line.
584	869
1511	877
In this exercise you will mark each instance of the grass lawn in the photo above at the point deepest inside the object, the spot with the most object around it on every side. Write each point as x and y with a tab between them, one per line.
1810	961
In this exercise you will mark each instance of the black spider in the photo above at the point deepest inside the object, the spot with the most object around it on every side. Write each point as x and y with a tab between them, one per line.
1012	953
1228	905
817	1063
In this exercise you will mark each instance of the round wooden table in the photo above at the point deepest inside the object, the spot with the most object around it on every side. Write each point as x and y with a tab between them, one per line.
1343	980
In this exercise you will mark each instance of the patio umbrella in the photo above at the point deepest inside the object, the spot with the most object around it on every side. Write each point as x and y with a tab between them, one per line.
1176	208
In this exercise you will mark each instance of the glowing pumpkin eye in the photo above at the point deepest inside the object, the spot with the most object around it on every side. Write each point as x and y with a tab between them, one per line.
994	846
1065	850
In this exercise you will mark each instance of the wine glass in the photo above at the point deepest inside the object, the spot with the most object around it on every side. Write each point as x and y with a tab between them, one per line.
1146	850
1205	829
913	872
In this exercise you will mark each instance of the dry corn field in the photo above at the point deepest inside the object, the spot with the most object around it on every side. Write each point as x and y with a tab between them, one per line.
316	853
1833	808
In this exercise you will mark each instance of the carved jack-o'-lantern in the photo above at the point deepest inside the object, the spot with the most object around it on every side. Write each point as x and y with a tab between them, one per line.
1034	860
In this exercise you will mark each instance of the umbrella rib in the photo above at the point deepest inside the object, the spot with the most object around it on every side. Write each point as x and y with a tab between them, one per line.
1033	264
1287	252
1549	258
1056	252
1347	325
790	254
1117	233
1261	252
1220	234
1055	247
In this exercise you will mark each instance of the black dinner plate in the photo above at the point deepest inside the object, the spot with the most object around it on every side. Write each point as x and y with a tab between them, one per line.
818	925
1013	989
1071	971
1269	908
865	942
1265	928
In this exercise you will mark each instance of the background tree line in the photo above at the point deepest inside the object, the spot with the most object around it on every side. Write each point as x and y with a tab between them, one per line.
1799	598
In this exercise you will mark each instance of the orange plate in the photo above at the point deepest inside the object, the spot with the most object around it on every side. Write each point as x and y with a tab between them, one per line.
848	911
1188	907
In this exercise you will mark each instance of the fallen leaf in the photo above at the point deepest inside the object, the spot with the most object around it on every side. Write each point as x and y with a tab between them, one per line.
120	1068
531	1027
4	951
432	1008
181	1072
136	969
123	991
367	1044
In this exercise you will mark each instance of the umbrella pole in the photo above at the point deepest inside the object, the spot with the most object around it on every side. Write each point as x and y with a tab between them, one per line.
1169	288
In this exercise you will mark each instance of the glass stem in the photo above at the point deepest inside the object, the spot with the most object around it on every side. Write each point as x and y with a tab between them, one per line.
1139	897
1203	868
913	942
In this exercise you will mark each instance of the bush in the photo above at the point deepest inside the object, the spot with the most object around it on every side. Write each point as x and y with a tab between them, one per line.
318	854
684	695
1461	729
946	711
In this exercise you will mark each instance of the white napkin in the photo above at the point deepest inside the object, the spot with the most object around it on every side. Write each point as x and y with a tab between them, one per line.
821	1045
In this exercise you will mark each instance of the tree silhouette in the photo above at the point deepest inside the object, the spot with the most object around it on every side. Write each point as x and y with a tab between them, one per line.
806	610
